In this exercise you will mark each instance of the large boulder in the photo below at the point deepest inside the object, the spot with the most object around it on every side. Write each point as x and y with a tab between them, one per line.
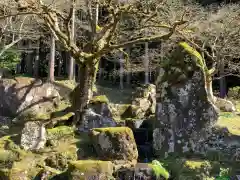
115	144
24	94
184	113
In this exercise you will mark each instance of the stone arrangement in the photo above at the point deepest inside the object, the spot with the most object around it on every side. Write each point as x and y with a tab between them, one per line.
174	116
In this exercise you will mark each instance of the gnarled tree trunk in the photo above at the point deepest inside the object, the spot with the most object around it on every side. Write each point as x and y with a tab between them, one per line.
84	90
208	85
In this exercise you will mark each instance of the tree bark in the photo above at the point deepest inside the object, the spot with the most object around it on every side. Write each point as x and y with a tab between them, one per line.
121	71
29	64
71	70
36	64
84	90
208	85
146	64
51	60
222	81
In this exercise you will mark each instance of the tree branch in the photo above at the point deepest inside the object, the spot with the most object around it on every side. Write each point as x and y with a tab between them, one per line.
6	47
152	38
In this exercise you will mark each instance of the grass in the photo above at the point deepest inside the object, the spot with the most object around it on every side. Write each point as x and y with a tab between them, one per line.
230	121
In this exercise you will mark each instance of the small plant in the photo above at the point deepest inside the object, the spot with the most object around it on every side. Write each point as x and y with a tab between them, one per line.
159	170
224	174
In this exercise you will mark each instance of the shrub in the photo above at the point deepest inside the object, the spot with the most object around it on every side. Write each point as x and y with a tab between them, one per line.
234	92
159	171
10	59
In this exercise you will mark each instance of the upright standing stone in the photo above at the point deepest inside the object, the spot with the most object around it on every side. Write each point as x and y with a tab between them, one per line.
184	114
33	136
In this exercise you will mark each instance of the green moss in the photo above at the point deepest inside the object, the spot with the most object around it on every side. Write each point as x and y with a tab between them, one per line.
60	160
196	164
91	166
68	83
18	174
7	156
62	105
4	173
115	130
229	121
99	99
60	132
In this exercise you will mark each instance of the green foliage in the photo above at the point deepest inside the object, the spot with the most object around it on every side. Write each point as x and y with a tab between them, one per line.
234	92
224	172
10	59
159	170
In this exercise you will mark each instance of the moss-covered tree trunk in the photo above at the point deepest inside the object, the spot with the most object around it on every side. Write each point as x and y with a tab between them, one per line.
83	92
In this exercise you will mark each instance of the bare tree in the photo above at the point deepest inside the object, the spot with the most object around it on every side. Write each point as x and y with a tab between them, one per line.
71	68
216	35
12	30
113	34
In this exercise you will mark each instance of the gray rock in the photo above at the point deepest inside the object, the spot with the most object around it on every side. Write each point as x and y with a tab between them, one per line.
5	73
23	94
145	98
33	136
184	114
91	120
140	172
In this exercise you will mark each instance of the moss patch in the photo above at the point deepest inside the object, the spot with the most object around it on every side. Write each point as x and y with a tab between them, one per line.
16	162
115	130
99	99
60	132
60	160
66	83
189	169
85	168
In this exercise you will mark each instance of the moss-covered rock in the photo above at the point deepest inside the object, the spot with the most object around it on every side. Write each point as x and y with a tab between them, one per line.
57	133
48	173
116	144
18	174
60	160
7	157
99	99
133	111
85	169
